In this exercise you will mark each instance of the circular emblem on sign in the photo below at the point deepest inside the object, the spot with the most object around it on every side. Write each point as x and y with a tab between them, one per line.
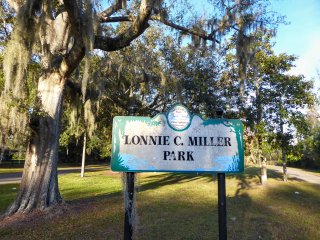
179	117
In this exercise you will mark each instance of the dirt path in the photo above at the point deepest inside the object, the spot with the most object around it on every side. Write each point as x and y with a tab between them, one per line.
6	178
304	175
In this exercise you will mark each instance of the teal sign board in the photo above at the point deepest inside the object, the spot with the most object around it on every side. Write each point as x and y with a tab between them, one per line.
177	141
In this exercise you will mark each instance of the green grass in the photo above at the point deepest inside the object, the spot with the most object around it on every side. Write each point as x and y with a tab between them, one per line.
7	194
179	206
10	169
95	183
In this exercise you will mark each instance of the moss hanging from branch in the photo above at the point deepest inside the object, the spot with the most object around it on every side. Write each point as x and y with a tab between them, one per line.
16	97
14	118
90	26
13	108
85	78
89	118
18	51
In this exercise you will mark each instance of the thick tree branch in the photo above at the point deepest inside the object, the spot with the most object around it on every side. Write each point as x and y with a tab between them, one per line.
200	33
72	59
153	104
196	32
138	26
111	10
77	52
117	19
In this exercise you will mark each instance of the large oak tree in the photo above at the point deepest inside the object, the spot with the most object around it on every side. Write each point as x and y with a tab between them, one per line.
59	34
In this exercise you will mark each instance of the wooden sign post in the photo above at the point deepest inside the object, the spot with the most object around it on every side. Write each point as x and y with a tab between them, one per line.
129	182
177	141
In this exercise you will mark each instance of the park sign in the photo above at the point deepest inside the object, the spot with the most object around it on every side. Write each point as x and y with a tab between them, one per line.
177	141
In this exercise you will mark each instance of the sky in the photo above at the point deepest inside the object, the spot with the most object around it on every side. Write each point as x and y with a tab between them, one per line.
301	36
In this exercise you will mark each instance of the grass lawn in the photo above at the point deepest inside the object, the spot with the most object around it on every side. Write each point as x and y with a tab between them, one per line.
176	206
10	169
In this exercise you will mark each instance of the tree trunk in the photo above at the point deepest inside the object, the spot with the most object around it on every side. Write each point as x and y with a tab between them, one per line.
283	145
262	159
83	154
264	176
2	149
284	165
39	184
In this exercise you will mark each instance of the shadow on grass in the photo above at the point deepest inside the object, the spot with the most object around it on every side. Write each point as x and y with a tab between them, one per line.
261	213
95	198
157	181
245	181
152	182
250	177
284	212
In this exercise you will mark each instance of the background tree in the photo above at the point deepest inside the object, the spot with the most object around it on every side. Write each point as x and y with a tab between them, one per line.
273	101
305	152
279	100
